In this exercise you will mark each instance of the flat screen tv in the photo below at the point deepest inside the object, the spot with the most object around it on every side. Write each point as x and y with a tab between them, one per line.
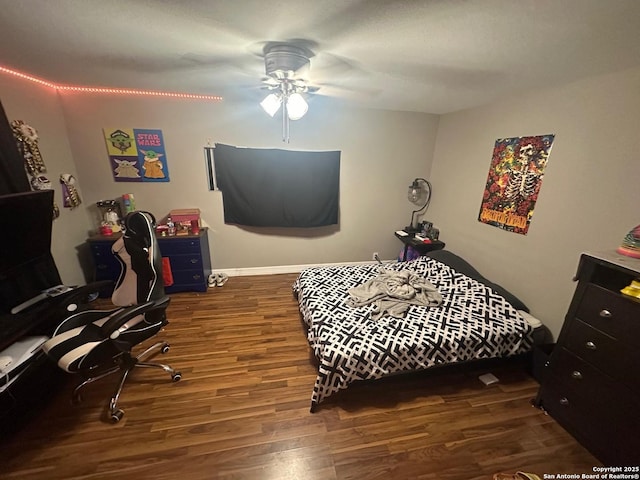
27	219
26	264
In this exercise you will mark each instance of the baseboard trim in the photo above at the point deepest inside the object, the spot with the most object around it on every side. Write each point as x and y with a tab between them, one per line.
277	269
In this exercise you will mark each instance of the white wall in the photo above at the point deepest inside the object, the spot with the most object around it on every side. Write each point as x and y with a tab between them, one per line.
590	196
588	201
382	152
39	107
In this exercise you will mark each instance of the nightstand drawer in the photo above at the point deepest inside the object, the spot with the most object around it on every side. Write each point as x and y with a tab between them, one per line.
610	312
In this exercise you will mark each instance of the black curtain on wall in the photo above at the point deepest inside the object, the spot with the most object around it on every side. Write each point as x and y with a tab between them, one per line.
13	177
278	188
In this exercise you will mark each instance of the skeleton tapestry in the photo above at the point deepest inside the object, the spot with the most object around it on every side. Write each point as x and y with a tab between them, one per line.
514	181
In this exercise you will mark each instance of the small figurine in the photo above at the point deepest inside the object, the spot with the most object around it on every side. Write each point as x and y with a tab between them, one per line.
631	244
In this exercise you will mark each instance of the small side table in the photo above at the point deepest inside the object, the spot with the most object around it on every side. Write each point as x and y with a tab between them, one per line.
421	247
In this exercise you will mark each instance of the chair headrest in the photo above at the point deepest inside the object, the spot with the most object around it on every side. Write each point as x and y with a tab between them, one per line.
140	226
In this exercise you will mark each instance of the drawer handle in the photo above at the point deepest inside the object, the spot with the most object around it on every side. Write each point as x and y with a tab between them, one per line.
194	261
590	345
564	401
605	313
196	277
576	374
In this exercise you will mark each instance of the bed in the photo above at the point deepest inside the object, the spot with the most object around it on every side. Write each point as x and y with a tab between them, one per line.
476	319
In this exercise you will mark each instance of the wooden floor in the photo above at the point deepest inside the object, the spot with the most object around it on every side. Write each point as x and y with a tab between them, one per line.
241	411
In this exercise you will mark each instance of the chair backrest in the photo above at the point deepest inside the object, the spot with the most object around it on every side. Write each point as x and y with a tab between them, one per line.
137	250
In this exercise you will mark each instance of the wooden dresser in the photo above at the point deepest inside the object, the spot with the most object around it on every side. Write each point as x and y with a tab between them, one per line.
188	256
592	386
189	259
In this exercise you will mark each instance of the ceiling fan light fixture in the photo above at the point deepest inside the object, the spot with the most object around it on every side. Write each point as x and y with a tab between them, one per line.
286	66
297	107
271	103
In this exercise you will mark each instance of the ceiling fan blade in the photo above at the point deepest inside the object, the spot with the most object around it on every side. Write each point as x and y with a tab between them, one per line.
345	91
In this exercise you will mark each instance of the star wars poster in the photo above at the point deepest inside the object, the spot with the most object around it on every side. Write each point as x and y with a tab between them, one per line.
137	155
514	181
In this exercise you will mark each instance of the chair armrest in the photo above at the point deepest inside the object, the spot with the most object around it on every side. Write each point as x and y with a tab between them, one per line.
127	313
79	295
80	319
111	326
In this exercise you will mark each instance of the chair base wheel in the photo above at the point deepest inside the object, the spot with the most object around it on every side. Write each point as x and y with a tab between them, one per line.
176	377
165	348
117	415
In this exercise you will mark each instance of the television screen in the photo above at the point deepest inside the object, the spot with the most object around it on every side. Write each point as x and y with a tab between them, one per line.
26	234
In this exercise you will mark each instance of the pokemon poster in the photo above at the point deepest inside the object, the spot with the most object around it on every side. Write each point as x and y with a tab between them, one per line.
514	181
137	155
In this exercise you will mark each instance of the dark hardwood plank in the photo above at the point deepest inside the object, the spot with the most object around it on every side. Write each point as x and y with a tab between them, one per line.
242	411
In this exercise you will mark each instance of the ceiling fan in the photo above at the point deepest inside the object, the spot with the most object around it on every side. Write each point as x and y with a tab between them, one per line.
287	67
286	60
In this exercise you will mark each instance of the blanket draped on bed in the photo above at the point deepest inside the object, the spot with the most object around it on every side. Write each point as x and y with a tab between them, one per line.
392	292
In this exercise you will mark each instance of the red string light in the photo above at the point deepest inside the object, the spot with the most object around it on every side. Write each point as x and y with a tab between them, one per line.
116	91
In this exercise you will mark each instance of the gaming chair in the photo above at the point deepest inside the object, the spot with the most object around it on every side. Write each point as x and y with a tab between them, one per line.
98	343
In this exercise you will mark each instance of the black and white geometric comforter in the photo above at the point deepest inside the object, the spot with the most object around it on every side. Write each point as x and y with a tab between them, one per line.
473	322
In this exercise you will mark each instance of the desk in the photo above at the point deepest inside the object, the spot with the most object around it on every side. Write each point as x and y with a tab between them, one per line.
38	377
421	247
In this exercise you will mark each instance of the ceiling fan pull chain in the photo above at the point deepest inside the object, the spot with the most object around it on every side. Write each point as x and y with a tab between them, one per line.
285	123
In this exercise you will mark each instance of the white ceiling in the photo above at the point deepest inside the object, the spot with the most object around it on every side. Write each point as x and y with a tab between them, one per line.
433	56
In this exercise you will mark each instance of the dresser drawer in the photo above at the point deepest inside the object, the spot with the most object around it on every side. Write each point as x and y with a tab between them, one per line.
172	246
188	281
597	389
605	432
611	313
102	255
101	249
602	412
186	262
106	265
188	277
605	353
